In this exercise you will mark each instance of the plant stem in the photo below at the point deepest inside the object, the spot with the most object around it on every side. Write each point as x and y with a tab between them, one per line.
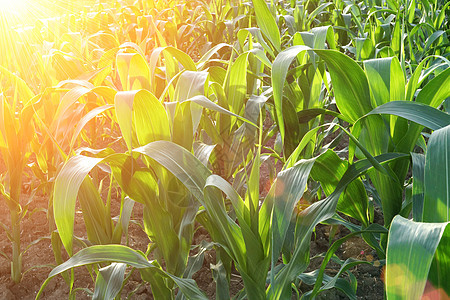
15	211
16	263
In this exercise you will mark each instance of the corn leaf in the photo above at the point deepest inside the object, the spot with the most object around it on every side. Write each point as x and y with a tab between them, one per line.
349	263
190	84
23	89
309	218
239	241
74	94
433	94
279	71
236	84
88	117
181	163
267	23
306	115
159	223
210	53
109	281
95	214
329	169
380	75
170	54
256	33
125	255
410	251
351	88
418	172
67	185
419	113
436	206
150	118
289	188
134	72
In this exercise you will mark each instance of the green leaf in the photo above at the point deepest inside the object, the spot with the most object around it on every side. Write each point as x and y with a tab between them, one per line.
288	191
86	118
256	33
24	90
222	285
410	251
385	79
109	281
436	206
74	94
72	182
267	23
309	218
160	223
124	218
329	169
206	103
279	71
190	84
307	137
96	216
364	48
350	85
236	83
193	174
316	12
65	192
241	241
181	163
293	127
203	152
170	54
418	172
125	255
134	72
433	94
419	113
397	39
211	52
439	275
306	115
151	122
436	91
341	284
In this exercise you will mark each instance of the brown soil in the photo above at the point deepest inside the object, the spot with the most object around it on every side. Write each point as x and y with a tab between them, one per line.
39	260
369	277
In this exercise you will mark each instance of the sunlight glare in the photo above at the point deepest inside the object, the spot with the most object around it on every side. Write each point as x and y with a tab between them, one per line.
13	6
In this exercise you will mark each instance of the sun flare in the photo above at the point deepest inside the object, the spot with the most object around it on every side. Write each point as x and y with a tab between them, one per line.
13	6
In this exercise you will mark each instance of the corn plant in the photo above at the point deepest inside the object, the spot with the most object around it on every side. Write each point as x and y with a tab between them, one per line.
345	91
167	206
426	239
16	136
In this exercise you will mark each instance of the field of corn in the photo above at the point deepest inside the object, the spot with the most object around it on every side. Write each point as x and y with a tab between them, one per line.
272	149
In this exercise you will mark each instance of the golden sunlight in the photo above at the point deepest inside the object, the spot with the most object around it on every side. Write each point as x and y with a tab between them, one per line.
13	6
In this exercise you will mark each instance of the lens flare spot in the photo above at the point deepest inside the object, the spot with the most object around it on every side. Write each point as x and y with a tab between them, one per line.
432	293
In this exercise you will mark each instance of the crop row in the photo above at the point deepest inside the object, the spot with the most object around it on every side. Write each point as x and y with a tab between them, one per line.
177	104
